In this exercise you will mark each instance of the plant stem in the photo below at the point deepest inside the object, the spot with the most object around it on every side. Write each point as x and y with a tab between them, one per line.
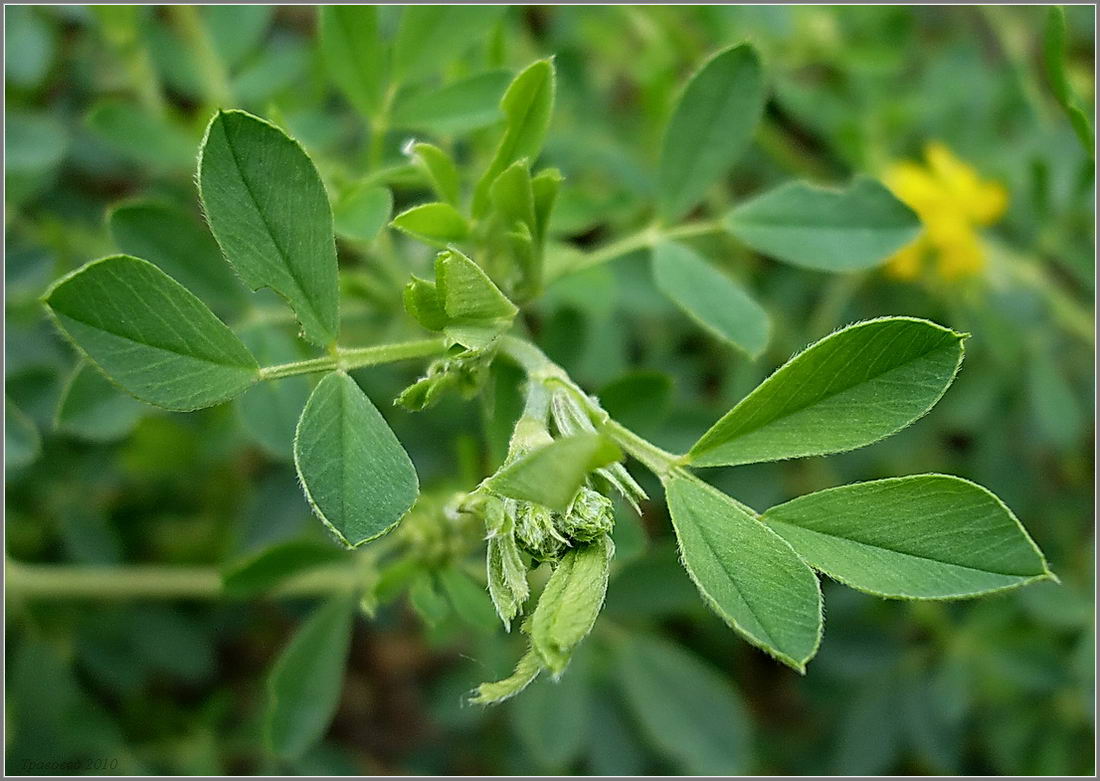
379	126
541	369
656	460
155	582
215	80
347	359
644	239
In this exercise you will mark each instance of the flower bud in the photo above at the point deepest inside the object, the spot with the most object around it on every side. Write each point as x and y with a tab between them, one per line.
590	516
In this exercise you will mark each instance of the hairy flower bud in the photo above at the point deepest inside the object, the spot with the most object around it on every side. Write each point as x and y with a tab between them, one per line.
590	516
463	372
536	531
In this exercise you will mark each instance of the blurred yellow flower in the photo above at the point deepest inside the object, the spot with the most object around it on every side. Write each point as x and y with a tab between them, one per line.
952	203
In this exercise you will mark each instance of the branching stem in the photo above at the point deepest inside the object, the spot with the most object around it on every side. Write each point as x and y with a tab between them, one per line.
645	239
358	357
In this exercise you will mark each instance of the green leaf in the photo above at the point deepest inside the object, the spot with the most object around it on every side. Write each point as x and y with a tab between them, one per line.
1054	53
363	211
22	442
850	389
919	537
354	53
710	128
551	719
435	223
150	335
427	602
430	36
470	600
527	106
357	477
570	603
746	573
512	197
687	708
268	210
263	571
305	683
92	408
545	186
278	67
183	249
440	169
422	301
710	298
237	30
141	137
552	474
456	108
467	292
270	409
825	229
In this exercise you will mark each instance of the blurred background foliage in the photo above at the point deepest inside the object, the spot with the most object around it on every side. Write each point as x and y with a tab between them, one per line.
105	109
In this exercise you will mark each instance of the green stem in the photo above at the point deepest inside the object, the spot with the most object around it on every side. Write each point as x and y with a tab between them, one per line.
215	80
379	126
356	358
656	460
541	369
645	239
52	581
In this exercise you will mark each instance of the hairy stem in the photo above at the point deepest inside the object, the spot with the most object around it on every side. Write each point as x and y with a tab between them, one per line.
358	357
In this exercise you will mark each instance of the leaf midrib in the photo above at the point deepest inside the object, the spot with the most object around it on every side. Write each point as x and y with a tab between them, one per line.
767	638
152	346
291	270
696	451
874	546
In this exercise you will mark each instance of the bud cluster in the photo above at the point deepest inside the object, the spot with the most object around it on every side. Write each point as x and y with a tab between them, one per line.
463	372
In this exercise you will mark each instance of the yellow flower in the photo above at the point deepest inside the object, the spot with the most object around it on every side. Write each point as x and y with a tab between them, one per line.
952	202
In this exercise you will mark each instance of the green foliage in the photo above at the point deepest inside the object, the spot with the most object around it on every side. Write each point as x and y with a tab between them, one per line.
552	474
710	298
823	229
710	127
526	106
852	388
458	107
362	212
268	210
93	409
548	191
150	335
175	242
431	35
306	680
1054	52
568	606
946	537
355	473
354	53
689	711
746	573
435	223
